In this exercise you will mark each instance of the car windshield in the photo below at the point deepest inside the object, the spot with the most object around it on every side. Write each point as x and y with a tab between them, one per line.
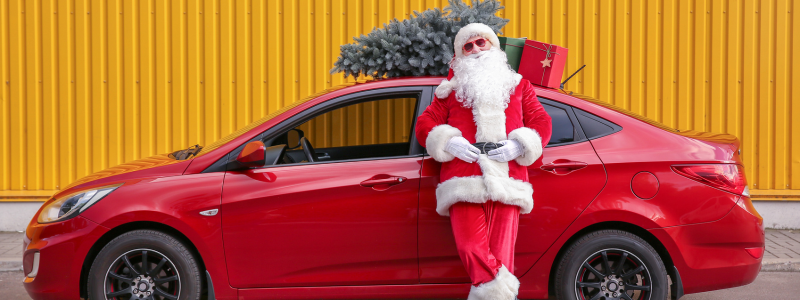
626	112
263	120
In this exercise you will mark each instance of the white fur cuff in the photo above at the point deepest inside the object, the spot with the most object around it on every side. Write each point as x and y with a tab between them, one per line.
531	143
437	142
444	88
502	287
503	275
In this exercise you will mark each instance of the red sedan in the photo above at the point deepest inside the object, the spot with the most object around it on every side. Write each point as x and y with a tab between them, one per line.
621	204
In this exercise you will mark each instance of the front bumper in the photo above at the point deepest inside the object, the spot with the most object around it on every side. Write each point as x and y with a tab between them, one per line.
62	248
712	256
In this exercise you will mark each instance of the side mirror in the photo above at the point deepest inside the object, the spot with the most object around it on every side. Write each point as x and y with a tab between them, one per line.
253	155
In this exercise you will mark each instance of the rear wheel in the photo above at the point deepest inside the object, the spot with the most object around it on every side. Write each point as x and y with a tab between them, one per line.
144	265
611	264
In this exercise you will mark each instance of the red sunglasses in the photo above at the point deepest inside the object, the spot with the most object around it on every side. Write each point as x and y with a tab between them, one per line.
478	42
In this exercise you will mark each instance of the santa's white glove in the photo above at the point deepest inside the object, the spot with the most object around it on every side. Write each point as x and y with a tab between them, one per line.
510	150
461	148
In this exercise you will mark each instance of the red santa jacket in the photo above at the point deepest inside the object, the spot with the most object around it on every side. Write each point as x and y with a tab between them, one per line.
524	120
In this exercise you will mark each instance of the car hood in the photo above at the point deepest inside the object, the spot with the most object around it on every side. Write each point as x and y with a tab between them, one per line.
154	166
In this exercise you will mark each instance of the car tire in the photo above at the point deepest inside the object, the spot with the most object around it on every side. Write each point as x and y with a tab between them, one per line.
117	273
583	273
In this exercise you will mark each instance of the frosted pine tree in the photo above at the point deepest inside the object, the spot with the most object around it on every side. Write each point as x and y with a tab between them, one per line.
421	45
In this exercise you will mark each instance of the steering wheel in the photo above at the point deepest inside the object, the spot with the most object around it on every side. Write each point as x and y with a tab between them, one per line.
311	155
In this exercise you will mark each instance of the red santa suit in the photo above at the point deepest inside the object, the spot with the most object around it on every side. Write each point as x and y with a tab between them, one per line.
484	198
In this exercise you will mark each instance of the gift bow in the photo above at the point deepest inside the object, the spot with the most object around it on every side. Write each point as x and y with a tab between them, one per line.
548	49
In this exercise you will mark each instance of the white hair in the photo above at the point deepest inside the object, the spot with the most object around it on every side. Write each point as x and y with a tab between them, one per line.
484	78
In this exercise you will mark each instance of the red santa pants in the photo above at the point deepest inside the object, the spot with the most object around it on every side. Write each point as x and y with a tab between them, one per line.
485	235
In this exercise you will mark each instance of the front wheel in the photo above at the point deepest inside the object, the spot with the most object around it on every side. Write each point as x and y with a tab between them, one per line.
611	265
144	265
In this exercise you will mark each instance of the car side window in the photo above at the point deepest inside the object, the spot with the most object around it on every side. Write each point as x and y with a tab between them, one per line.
366	130
594	126
563	130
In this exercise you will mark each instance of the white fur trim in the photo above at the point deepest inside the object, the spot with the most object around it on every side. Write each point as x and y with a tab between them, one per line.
444	88
473	189
531	143
474	29
495	175
517	79
437	142
500	288
490	121
509	279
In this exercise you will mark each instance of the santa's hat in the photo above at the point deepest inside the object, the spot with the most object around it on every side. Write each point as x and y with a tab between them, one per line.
471	30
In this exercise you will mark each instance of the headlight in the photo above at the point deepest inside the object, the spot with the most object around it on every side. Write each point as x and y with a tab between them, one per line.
73	204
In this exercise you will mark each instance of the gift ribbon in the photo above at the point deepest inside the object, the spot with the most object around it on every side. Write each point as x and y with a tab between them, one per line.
548	50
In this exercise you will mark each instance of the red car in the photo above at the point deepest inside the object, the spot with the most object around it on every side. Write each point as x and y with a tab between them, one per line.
621	203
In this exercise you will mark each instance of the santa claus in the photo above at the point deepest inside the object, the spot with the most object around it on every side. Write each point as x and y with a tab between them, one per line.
485	127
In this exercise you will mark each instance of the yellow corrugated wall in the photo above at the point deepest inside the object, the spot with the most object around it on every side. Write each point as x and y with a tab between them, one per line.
88	84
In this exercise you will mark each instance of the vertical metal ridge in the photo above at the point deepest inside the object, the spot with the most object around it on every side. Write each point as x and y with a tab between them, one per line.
782	106
5	102
13	84
794	94
83	86
160	11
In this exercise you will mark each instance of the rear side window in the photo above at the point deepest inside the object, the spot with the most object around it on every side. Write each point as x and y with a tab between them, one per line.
594	126
563	131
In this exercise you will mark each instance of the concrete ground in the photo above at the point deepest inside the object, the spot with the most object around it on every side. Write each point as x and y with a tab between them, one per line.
779	279
768	285
10	251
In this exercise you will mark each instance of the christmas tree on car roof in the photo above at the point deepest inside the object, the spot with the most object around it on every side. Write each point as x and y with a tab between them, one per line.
418	46
423	46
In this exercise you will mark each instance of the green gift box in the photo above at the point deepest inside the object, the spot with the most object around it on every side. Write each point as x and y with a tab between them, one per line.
513	48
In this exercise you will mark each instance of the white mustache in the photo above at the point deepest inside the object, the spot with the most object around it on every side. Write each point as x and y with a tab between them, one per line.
479	54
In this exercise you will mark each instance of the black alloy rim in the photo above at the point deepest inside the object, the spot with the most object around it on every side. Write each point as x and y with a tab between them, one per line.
613	274
142	274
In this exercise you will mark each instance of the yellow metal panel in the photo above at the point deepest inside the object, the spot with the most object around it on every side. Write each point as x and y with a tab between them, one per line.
89	84
793	97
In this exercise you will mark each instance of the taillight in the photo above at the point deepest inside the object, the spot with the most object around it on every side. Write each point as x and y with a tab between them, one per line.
727	177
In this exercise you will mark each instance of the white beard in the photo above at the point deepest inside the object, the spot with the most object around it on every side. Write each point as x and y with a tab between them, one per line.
484	78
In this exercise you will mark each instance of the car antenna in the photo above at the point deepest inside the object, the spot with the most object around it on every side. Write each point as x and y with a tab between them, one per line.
570	77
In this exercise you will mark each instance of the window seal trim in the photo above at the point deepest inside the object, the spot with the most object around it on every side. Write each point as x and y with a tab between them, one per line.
334	161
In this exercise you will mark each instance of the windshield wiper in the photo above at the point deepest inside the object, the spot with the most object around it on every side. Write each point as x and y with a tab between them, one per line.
186	153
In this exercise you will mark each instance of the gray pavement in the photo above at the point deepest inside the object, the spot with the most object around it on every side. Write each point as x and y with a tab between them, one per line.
782	251
782	254
768	285
10	251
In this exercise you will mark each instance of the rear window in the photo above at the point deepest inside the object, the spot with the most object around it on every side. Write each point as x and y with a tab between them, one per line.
626	112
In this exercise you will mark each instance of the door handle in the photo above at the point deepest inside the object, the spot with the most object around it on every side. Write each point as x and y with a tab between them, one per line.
380	184
563	166
390	181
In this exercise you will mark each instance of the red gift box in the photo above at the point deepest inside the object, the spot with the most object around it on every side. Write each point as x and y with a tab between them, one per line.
543	63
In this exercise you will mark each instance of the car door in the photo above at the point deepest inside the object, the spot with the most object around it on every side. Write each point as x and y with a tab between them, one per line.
349	218
565	180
